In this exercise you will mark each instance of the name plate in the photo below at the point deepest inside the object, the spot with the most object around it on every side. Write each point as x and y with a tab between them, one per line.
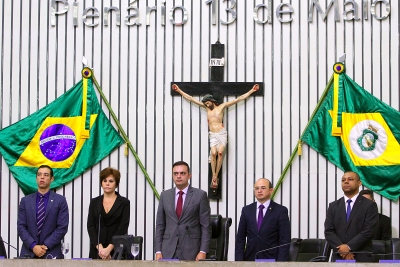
265	260
389	261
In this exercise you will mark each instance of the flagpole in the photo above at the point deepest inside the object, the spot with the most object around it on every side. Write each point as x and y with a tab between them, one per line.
128	143
296	149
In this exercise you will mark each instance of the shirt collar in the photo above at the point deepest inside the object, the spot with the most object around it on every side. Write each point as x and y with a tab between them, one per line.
353	199
266	203
184	190
45	195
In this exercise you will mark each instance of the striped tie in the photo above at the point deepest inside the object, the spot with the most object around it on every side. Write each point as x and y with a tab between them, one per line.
40	214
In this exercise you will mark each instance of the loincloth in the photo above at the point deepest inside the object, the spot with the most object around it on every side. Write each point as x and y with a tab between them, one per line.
217	139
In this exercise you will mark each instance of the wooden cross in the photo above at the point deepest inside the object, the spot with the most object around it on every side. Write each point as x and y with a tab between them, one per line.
218	89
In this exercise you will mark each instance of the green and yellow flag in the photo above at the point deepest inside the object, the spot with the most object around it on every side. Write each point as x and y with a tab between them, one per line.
357	132
71	134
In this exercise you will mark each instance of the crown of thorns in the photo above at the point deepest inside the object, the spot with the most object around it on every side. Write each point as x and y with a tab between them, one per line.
209	98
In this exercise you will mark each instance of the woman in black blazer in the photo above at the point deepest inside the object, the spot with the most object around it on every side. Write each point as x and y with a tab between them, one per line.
108	216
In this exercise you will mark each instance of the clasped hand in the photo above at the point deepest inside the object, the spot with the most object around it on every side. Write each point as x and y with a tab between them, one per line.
39	250
344	251
104	253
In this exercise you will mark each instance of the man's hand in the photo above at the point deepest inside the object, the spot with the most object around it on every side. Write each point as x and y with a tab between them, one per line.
39	250
158	256
344	251
256	87
200	256
349	256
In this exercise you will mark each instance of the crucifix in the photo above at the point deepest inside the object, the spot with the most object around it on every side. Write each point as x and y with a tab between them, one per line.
213	93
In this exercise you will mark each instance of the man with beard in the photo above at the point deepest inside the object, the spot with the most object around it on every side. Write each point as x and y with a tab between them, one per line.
218	135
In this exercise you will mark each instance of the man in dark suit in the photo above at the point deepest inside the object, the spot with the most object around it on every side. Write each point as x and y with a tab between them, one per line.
43	219
384	228
265	224
351	221
183	228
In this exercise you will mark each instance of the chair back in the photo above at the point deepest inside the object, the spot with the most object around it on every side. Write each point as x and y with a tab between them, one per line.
3	251
312	249
219	243
380	247
394	248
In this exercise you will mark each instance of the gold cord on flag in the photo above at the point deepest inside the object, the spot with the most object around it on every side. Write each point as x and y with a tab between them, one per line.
299	151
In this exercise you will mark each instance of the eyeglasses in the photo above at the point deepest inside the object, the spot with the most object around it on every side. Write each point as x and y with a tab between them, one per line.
177	173
262	188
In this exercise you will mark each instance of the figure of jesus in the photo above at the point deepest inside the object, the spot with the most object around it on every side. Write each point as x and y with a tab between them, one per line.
217	134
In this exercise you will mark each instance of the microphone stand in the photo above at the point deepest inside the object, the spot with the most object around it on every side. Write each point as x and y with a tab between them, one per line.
293	242
98	238
26	256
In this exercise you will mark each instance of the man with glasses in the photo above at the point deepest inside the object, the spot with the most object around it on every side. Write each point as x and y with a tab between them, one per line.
264	227
183	228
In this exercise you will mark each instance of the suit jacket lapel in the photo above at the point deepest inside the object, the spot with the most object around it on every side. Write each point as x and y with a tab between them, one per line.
117	203
32	204
171	201
49	203
188	199
253	216
267	214
342	210
357	204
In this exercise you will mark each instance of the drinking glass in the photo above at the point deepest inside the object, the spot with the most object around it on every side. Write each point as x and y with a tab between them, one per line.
135	250
64	248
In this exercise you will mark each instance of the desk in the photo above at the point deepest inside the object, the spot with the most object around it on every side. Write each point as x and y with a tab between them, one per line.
100	263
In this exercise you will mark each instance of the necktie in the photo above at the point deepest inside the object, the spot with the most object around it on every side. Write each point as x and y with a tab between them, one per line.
260	216
179	204
348	210
40	214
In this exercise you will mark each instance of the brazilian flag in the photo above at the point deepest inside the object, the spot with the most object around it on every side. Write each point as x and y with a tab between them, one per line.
357	132
71	134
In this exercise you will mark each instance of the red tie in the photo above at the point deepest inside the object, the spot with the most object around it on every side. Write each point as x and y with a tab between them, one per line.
179	204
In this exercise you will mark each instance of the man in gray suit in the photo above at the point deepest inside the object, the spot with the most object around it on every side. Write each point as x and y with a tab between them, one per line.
183	228
351	222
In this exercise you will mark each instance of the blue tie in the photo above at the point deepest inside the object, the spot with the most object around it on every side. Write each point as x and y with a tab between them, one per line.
40	214
348	210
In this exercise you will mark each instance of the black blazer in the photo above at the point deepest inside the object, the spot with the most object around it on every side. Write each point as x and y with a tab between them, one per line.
358	232
384	228
274	231
115	222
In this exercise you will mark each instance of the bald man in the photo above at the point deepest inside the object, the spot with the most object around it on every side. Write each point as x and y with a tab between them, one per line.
351	222
263	224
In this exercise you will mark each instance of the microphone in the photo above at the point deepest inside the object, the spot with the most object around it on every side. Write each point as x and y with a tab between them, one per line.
298	240
26	256
319	259
98	238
